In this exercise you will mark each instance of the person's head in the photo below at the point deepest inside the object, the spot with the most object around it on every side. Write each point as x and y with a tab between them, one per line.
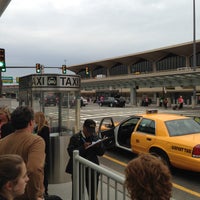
13	175
40	119
4	116
89	127
22	117
147	177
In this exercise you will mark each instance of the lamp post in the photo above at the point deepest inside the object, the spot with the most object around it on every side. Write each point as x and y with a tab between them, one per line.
194	52
194	37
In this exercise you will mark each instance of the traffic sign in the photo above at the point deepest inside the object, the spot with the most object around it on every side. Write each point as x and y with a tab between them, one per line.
7	79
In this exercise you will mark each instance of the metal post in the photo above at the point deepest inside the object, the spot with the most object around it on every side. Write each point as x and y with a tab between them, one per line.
75	182
194	52
194	37
42	69
77	113
60	95
1	85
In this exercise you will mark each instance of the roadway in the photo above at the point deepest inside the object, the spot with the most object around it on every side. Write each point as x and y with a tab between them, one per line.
96	112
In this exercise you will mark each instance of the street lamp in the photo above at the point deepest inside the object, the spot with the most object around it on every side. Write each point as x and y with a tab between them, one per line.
194	37
194	52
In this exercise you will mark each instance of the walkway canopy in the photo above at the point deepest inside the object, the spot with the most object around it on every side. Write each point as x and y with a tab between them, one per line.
3	5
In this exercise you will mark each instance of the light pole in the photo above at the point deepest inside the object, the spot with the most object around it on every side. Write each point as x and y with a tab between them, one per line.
194	37
194	52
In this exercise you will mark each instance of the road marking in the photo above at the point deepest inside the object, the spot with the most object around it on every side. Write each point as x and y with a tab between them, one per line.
174	184
115	160
186	190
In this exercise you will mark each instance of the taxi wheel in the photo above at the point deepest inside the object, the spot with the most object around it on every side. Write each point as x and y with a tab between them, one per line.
162	155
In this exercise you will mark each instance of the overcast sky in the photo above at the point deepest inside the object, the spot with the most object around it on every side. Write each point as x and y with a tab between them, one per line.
80	31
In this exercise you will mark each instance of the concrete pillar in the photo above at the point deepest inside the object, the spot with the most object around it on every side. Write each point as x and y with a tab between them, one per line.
169	102
154	66
129	69
187	64
108	71
157	101
154	97
133	96
194	97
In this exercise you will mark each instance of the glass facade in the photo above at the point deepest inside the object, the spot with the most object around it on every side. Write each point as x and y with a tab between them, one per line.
143	66
82	73
118	69
99	71
171	62
197	60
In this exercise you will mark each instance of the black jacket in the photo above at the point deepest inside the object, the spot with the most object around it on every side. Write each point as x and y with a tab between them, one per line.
6	129
45	134
2	198
77	143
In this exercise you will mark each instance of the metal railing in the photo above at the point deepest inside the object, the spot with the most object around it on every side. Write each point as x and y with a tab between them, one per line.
109	184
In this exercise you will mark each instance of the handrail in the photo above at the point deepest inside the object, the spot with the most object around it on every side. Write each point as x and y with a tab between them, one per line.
113	191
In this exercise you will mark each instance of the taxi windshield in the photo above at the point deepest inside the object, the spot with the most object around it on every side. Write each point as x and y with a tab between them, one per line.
182	127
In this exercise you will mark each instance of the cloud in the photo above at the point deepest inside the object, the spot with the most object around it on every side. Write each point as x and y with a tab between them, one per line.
87	30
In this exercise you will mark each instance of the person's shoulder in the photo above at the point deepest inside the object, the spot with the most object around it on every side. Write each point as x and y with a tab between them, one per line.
76	135
37	140
36	137
45	127
32	137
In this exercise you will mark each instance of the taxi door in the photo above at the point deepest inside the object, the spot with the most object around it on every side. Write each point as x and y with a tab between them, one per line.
106	130
144	136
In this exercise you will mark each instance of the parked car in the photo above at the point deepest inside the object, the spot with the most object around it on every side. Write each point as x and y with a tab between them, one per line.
84	101
72	101
113	102
50	100
174	138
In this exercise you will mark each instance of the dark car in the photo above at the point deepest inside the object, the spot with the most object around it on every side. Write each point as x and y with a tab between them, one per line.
50	100
113	102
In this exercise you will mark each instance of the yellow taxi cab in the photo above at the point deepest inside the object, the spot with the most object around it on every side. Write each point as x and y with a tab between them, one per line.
174	138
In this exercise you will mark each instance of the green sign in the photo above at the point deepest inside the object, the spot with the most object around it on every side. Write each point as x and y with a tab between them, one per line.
7	79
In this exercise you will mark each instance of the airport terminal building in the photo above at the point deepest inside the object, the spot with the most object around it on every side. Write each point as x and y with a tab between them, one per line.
164	72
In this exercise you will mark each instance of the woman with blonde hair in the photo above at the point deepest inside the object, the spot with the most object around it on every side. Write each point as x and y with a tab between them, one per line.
147	177
42	129
13	176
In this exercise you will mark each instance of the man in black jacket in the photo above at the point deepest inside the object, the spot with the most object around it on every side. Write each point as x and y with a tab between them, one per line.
80	141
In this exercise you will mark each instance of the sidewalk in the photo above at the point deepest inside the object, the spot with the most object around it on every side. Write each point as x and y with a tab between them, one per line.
63	190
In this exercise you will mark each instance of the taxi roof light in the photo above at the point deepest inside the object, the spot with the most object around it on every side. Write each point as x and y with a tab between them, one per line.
151	111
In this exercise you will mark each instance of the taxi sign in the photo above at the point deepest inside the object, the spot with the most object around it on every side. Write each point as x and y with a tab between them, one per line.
151	111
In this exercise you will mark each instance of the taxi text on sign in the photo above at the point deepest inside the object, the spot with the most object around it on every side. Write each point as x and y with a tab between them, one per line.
59	81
